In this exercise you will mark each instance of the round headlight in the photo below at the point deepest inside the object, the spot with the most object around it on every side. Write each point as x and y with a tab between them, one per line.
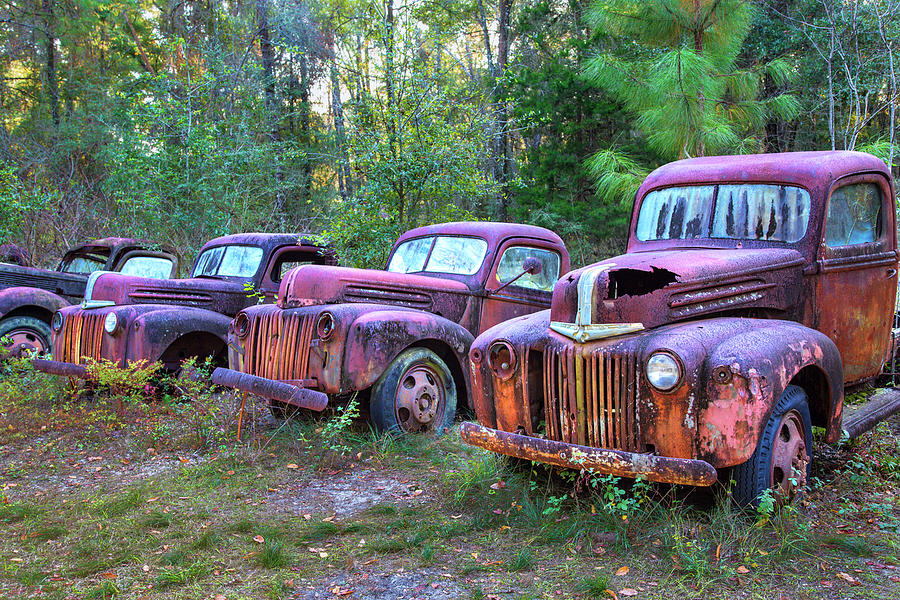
242	325
663	371
325	326
56	322
502	359
110	323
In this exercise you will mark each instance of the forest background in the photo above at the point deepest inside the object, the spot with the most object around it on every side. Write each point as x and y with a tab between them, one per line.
182	120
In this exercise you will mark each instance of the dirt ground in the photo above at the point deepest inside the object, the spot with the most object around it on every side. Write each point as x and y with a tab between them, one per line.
98	502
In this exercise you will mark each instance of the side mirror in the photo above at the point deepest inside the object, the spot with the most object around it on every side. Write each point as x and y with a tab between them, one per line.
532	265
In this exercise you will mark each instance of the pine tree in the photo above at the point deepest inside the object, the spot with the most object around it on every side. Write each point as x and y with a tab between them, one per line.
674	66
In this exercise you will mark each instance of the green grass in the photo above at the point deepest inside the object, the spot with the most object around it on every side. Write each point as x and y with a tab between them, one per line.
594	586
851	544
273	555
522	561
179	575
156	519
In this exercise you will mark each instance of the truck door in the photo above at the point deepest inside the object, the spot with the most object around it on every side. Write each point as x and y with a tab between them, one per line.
858	277
505	298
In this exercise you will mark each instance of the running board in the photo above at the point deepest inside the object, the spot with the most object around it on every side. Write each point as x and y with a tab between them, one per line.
860	419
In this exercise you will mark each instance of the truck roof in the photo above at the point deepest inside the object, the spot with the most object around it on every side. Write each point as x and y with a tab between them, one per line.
493	232
115	244
267	241
810	170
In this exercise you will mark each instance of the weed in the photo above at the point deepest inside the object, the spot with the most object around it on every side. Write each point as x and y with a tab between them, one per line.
121	504
45	533
335	428
594	586
850	544
13	513
382	510
179	576
320	530
208	540
156	520
273	555
522	561
427	552
105	590
388	545
173	558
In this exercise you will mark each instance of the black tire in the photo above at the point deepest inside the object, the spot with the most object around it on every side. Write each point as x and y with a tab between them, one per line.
789	419
28	333
427	386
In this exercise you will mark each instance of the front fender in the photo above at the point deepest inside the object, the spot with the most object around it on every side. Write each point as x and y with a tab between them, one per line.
15	298
376	338
152	332
747	373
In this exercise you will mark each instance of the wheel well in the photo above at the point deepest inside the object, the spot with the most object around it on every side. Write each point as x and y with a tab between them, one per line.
38	312
446	353
196	343
814	382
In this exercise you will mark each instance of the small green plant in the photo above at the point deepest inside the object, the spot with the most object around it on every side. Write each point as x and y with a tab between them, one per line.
251	291
105	590
522	561
179	576
273	555
195	403
766	507
594	586
333	433
131	383
156	520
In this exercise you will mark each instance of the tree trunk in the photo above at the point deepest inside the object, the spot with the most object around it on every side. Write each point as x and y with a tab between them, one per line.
345	184
51	82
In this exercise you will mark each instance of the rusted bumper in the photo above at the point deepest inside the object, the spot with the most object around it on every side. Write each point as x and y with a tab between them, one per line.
600	460
55	367
271	389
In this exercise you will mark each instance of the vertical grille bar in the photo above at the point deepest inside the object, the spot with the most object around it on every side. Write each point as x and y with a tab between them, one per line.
278	345
591	398
82	337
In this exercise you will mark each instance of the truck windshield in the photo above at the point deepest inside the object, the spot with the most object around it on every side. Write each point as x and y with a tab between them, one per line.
228	261
747	211
83	263
439	254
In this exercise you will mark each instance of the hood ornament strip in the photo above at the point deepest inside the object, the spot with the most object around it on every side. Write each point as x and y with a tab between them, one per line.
584	329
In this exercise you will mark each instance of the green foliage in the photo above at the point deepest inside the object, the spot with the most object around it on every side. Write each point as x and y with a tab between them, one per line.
675	68
131	383
339	424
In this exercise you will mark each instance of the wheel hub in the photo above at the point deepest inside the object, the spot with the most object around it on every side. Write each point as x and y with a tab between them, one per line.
419	398
22	342
789	457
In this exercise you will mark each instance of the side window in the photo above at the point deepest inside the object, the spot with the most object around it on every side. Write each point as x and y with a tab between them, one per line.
512	261
155	267
854	215
286	261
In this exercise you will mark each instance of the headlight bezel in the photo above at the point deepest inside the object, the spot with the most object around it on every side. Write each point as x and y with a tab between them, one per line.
57	321
665	358
502	359
326	325
111	323
242	325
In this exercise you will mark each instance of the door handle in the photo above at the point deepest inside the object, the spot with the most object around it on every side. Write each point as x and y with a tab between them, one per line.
891	273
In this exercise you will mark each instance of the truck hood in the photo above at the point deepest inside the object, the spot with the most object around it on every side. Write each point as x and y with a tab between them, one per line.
221	296
312	285
648	289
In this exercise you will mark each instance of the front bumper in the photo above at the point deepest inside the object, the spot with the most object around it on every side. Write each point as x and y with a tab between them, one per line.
55	367
280	391
599	460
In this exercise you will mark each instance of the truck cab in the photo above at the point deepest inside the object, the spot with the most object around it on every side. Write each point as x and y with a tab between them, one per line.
125	318
398	336
752	291
29	296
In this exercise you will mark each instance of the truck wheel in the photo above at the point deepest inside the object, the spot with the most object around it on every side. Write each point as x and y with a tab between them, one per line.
24	335
783	457
416	393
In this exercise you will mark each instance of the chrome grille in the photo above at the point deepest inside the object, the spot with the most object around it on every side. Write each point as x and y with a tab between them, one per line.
82	335
590	398
278	344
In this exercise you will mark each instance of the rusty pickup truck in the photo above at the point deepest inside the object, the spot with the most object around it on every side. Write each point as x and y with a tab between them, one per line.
29	296
753	292
124	318
399	336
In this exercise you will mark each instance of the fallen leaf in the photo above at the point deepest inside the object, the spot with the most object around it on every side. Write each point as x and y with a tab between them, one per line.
849	578
220	597
109	575
229	472
742	570
337	591
499	485
622	571
146	568
612	594
628	592
825	583
259	539
293	466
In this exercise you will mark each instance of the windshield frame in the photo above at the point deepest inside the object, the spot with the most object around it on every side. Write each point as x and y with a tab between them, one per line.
812	227
253	277
477	274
